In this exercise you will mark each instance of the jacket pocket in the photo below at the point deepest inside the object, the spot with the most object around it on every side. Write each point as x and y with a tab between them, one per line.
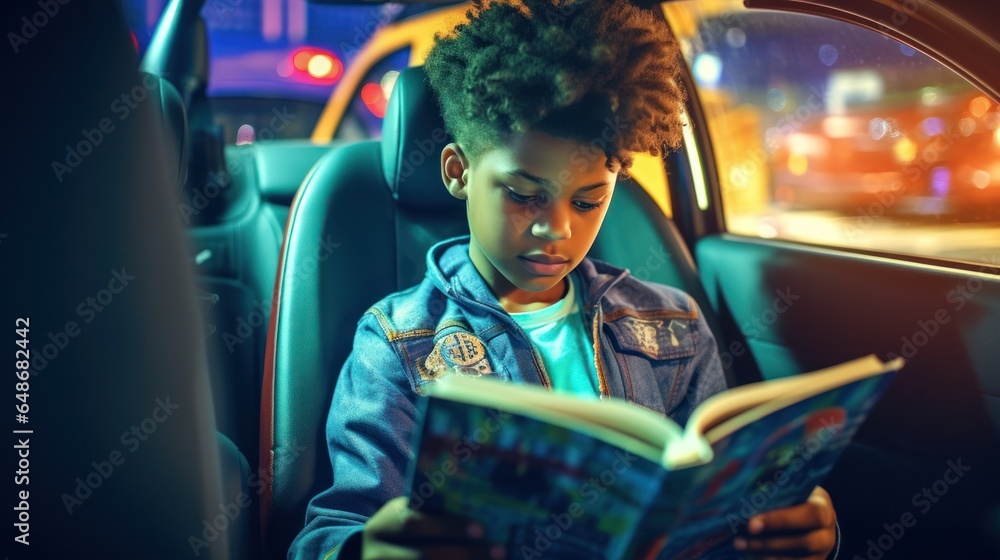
655	338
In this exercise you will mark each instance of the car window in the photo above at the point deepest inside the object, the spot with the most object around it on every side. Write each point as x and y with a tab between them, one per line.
363	119
829	133
282	58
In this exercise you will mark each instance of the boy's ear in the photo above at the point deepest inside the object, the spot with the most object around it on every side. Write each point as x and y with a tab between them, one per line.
455	170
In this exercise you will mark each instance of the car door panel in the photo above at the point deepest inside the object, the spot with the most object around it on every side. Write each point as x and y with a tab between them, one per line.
801	308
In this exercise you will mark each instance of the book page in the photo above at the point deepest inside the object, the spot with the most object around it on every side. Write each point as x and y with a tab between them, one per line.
735	406
616	421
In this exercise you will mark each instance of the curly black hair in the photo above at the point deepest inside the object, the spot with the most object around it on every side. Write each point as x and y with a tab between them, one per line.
601	72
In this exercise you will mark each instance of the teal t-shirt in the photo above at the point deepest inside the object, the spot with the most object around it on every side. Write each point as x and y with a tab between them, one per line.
560	335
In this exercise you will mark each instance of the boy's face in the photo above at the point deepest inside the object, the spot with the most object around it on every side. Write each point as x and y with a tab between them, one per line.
535	205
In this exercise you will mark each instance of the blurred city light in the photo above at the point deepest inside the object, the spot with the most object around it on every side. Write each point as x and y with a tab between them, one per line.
978	106
311	64
374	99
707	69
828	54
904	150
320	66
736	38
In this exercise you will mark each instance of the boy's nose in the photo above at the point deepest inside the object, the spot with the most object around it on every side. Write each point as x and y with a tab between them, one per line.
553	224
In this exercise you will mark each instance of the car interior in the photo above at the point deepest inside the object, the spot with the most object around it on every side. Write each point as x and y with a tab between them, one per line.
262	256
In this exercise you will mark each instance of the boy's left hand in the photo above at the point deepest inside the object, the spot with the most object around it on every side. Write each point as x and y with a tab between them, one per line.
807	530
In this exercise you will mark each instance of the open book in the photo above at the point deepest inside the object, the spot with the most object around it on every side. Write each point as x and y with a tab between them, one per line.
559	476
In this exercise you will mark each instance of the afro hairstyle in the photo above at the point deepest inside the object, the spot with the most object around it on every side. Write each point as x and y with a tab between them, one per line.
601	72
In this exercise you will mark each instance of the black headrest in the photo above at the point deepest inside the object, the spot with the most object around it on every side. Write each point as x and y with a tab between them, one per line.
412	138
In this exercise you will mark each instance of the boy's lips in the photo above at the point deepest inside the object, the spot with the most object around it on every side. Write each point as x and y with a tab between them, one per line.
542	264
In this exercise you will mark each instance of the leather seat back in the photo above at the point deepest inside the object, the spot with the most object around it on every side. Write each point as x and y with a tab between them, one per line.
95	263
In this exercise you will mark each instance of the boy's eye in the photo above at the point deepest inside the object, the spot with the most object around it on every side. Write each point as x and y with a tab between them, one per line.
587	206
520	198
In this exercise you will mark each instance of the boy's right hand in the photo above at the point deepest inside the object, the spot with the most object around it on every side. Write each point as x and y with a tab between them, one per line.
396	531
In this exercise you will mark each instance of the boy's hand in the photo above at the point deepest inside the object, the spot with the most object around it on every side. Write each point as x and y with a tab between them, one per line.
396	531
807	530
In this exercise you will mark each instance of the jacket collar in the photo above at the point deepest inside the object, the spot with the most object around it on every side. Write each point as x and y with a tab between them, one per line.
451	270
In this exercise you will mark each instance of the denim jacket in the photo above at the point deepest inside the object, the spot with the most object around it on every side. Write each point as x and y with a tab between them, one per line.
651	347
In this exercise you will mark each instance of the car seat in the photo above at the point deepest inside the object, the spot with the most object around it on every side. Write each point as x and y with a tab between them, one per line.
233	214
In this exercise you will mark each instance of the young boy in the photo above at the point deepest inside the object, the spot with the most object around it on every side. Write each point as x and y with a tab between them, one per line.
526	91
